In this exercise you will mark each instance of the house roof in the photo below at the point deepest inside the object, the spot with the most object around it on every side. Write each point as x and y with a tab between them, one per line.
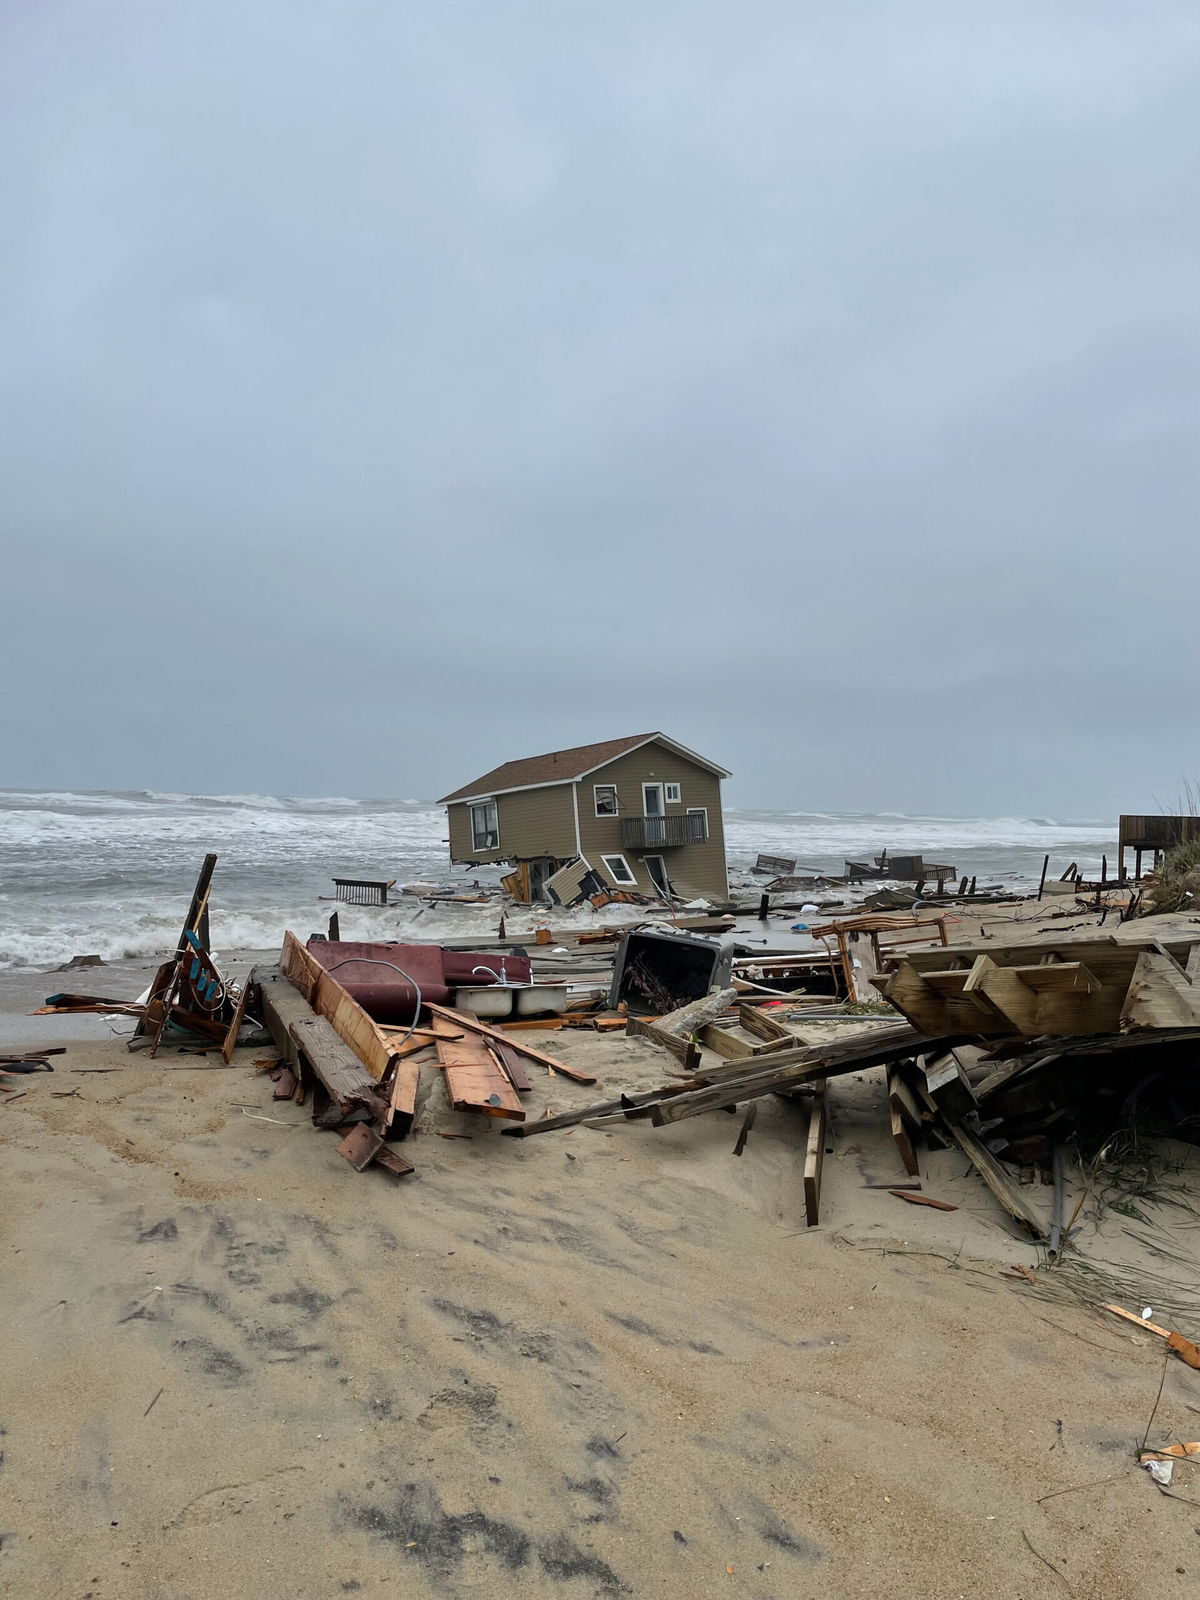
564	766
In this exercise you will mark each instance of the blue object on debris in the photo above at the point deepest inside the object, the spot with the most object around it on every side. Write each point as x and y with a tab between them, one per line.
799	927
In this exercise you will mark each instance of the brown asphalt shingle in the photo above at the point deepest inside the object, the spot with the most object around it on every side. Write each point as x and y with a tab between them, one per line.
558	766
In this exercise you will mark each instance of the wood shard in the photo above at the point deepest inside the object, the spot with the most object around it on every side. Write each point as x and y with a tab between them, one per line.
922	1200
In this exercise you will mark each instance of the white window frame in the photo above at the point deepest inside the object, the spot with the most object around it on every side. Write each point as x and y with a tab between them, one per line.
478	849
672	794
616	810
662	794
699	811
622	883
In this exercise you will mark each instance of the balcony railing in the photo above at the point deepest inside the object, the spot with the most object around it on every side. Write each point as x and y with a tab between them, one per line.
657	833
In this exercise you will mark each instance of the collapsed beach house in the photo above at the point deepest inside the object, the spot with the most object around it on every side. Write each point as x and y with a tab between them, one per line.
639	816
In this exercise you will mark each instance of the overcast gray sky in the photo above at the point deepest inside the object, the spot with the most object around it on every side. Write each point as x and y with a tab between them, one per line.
387	390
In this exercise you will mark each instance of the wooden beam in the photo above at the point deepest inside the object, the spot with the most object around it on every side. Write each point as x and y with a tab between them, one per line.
905	1118
293	1026
1006	1191
239	1016
402	1108
814	1157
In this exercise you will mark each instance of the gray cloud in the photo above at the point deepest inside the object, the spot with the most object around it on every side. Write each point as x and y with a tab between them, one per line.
391	390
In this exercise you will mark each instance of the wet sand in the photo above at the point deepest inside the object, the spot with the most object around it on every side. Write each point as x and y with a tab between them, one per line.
587	1363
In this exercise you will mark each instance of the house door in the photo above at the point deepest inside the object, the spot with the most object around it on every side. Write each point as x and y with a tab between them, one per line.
540	868
654	811
657	868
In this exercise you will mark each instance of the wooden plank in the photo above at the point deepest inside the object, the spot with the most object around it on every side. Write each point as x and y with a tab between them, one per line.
736	1047
335	1064
644	1028
239	1016
1005	1189
475	1081
1071	977
364	1144
199	905
760	1022
510	1062
814	1157
345	1079
402	1106
789	1069
905	1118
904	1144
1161	993
327	997
473	1025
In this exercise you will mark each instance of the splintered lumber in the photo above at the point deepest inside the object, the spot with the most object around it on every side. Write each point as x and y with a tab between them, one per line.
1006	1191
948	1085
793	1069
402	1105
906	1120
757	1021
1070	988
814	1157
298	1032
629	1106
474	1080
364	1144
473	1025
239	1016
922	1200
1162	992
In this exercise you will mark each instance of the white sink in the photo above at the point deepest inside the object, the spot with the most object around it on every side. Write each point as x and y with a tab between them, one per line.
485	999
534	997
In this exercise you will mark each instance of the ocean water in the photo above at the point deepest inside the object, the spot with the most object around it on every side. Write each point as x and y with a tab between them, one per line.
110	873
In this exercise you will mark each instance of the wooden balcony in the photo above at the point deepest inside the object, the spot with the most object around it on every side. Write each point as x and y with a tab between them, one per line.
661	833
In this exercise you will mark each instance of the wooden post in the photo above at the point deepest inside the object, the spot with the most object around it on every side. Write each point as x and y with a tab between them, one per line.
199	906
1103	869
335	927
972	885
962	887
1045	870
764	905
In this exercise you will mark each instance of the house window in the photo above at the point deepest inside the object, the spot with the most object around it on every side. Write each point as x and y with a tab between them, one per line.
485	826
607	804
618	870
674	794
697	832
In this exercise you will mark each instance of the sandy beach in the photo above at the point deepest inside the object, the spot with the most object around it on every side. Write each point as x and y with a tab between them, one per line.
590	1363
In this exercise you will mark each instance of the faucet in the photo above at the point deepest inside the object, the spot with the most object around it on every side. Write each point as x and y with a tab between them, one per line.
500	977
